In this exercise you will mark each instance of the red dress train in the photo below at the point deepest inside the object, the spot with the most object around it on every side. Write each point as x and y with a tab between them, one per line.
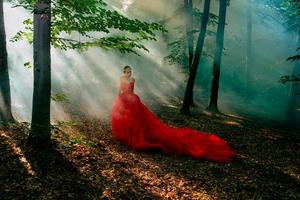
136	126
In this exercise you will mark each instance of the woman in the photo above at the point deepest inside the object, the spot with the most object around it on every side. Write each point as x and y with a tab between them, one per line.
136	126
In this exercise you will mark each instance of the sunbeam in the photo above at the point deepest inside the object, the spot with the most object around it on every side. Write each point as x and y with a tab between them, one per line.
18	152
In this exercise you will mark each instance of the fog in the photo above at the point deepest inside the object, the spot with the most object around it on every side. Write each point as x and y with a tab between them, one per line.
90	79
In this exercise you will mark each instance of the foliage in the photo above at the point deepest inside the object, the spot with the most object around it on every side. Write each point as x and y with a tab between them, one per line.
88	18
289	12
28	65
68	123
177	51
178	47
212	20
294	58
27	34
59	97
289	78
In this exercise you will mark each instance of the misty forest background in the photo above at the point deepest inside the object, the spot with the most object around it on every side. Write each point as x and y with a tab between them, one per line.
256	34
219	66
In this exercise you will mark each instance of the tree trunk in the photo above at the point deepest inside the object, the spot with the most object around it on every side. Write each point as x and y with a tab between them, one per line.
294	88
5	98
40	123
195	62
248	48
213	103
188	4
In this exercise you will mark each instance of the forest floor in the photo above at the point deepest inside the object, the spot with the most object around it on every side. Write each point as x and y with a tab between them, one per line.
87	163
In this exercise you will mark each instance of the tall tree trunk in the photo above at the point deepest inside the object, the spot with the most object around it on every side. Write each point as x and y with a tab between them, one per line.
193	69
188	4
40	123
213	103
5	98
294	88
248	48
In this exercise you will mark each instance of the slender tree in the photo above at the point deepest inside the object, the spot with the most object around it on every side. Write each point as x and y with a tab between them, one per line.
294	88
213	102
248	47
40	121
5	98
195	62
294	93
188	4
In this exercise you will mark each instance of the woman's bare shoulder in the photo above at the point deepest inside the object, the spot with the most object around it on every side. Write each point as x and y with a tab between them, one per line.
122	78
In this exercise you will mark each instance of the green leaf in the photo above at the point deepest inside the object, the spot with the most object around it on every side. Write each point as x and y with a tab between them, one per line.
28	65
87	19
59	97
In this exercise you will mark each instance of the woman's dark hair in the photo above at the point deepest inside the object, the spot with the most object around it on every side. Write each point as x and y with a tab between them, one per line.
126	67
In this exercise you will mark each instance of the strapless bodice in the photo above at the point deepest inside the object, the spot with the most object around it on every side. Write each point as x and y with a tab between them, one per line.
127	87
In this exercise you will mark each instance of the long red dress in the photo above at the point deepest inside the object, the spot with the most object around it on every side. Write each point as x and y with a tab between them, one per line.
136	126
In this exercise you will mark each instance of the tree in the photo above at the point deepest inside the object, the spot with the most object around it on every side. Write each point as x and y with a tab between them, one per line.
5	97
213	102
248	47
289	11
51	19
180	50
185	109
40	121
188	4
294	89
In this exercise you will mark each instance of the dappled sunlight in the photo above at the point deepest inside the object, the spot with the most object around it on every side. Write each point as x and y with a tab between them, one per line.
290	171
232	123
126	156
207	113
236	116
151	176
107	168
18	152
281	171
171	106
182	186
109	174
273	136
